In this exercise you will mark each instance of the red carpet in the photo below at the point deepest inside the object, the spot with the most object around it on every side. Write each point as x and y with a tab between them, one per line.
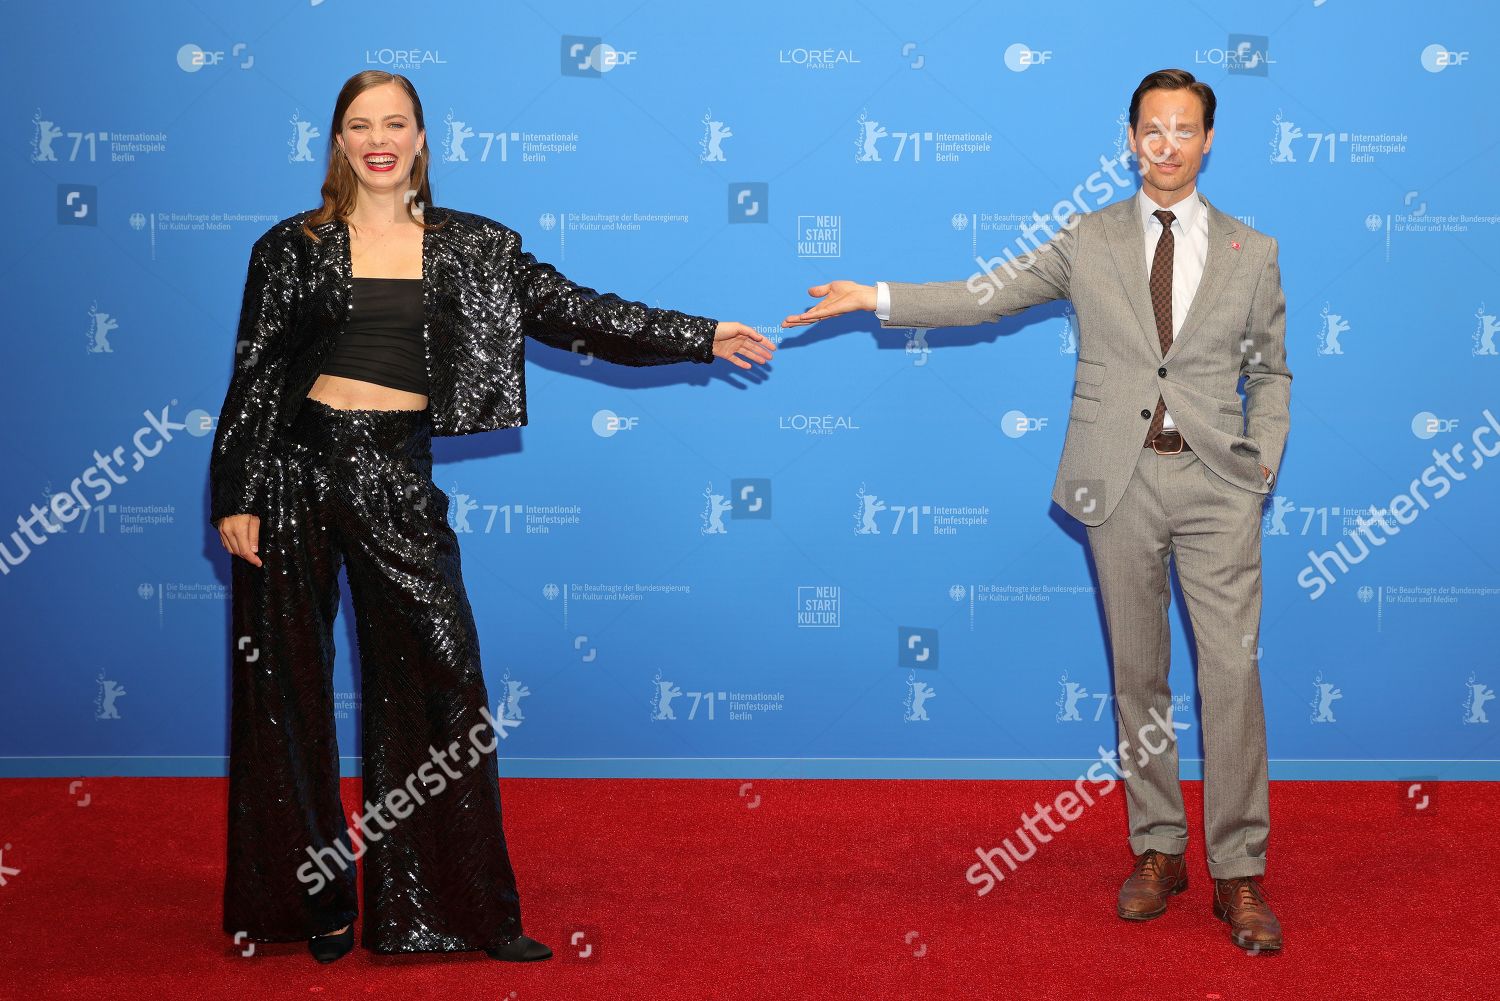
822	889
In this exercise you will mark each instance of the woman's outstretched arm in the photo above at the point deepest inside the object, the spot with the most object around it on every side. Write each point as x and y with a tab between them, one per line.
573	317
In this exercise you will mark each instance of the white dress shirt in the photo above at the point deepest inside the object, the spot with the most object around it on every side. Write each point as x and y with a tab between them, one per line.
1189	252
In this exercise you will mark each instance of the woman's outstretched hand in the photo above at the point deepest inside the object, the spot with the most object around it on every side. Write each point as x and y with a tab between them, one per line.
240	534
838	298
733	340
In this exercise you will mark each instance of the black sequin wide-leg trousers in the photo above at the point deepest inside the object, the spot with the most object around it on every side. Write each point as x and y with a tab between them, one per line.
354	488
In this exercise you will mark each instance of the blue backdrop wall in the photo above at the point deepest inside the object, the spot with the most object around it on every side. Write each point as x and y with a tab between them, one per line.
848	565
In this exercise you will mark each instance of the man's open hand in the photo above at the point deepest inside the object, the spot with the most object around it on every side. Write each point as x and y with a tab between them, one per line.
839	297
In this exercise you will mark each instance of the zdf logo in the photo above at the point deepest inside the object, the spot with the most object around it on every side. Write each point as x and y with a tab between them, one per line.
1436	58
1015	424
191	58
1427	424
591	57
1020	57
607	422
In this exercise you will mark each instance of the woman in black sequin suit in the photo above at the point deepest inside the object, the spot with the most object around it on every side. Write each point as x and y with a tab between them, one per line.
312	471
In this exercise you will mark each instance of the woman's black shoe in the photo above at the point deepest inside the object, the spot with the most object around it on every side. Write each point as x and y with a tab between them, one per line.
327	948
520	950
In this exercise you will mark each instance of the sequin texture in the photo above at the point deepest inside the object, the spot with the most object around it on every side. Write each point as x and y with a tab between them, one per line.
353	489
482	296
337	488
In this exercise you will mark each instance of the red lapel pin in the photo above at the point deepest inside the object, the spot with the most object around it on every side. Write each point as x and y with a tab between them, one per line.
1234	245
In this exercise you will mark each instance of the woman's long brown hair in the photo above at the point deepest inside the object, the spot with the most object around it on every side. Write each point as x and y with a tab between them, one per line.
339	185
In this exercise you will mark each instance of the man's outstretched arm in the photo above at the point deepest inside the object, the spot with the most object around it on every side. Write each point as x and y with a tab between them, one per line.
1005	286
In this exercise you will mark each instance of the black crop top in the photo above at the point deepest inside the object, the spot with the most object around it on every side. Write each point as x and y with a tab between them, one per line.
383	340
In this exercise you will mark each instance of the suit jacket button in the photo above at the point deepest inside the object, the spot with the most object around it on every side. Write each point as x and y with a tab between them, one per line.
1162	372
1146	414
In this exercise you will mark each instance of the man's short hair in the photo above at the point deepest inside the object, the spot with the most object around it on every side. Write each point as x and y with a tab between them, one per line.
1174	80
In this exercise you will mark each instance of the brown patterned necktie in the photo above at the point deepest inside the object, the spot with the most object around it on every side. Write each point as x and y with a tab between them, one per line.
1161	304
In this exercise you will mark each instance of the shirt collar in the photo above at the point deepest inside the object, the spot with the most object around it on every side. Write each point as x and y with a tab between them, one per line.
1186	211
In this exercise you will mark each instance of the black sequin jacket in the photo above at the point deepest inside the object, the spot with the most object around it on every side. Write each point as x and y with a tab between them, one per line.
482	295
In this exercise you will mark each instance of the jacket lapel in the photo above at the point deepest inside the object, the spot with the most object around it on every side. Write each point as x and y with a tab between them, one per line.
1127	246
1222	230
433	242
1126	240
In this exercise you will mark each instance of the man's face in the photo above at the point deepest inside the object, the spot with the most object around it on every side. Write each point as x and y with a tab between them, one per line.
1169	141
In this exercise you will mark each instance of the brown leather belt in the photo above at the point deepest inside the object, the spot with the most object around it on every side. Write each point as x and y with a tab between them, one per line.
1168	441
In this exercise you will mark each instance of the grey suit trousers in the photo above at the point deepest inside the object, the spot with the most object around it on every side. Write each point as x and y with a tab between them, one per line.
1176	507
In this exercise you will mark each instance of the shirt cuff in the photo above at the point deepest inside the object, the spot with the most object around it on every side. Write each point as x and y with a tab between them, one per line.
882	301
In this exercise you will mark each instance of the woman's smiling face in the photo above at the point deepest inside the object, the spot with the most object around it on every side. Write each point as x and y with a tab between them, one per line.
381	139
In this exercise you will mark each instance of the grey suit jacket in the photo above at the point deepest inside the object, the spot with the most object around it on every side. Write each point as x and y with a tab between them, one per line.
1236	325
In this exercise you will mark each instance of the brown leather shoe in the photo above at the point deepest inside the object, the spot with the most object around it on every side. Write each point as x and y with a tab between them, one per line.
1156	877
1242	903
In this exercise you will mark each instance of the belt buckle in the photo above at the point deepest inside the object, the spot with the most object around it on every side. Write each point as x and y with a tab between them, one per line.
1155	446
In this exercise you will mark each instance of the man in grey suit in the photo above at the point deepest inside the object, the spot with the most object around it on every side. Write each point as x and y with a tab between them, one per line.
1175	303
